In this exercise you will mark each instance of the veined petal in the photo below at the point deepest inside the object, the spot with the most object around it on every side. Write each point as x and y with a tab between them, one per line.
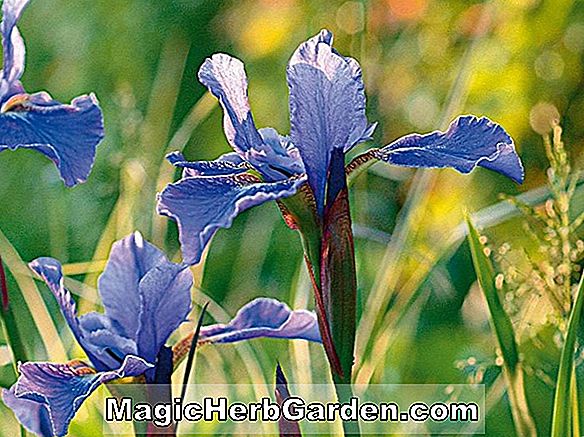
129	261
34	416
228	164
165	293
327	107
202	205
67	134
264	317
144	294
13	49
50	271
225	78
60	389
103	339
468	142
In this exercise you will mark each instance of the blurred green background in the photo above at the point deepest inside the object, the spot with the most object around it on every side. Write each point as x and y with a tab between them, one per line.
424	62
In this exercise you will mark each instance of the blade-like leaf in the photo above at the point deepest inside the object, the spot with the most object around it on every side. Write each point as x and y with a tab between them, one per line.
561	422
503	328
499	318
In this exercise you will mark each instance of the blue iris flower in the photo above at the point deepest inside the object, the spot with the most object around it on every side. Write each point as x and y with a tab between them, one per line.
67	134
327	119
145	297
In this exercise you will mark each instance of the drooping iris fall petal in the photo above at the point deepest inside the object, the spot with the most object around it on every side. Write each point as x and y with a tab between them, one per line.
58	390
264	317
469	142
202	205
67	134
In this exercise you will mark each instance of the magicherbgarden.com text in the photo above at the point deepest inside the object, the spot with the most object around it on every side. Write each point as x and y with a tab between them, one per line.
291	409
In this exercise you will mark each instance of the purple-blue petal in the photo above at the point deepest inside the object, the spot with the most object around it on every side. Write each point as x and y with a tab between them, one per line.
129	261
468	142
166	302
67	134
225	165
33	415
144	293
202	205
50	271
62	388
13	49
225	78
327	107
264	317
104	341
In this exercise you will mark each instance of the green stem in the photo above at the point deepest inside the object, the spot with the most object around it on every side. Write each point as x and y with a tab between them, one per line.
562	402
344	395
576	431
524	423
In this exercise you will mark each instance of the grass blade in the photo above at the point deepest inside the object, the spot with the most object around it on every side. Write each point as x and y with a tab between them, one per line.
561	420
46	327
503	328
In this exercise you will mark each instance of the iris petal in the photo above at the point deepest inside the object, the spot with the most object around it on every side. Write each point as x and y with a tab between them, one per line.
34	416
468	142
67	134
226	165
13	49
50	271
327	107
166	302
129	261
202	205
264	317
225	78
60	389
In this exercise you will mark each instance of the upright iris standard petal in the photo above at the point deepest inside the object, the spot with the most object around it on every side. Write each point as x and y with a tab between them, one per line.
225	78
144	293
166	302
146	297
119	285
327	107
13	49
202	205
51	272
58	390
468	142
67	134
264	317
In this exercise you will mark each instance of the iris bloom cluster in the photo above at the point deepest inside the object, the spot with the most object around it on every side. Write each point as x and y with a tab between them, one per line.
307	174
145	296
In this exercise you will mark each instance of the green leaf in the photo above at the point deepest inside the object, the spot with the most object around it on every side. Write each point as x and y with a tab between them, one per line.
503	328
500	320
561	421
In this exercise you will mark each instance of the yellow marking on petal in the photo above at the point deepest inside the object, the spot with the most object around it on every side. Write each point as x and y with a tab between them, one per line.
15	103
80	368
